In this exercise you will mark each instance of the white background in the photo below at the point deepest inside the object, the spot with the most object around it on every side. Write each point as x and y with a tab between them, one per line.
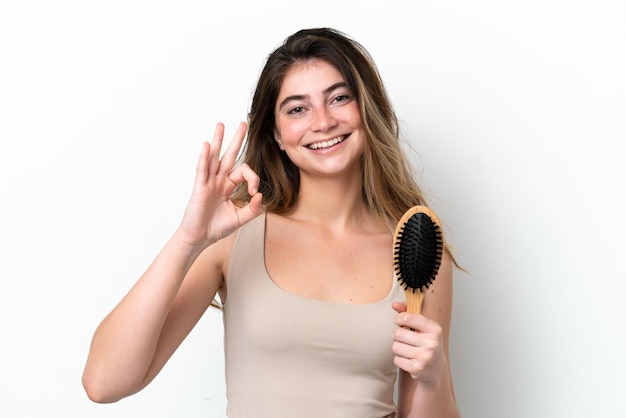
516	111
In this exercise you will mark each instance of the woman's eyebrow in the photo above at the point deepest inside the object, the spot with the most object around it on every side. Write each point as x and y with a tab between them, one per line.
292	98
334	87
305	96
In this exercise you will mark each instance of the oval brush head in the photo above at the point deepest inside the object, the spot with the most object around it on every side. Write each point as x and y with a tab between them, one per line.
417	252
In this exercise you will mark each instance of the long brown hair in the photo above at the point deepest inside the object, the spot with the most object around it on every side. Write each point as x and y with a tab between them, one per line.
388	180
389	186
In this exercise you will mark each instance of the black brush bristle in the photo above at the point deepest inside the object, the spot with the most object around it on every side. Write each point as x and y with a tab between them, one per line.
418	250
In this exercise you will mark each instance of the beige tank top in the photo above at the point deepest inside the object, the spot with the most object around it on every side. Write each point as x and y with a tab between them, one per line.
289	356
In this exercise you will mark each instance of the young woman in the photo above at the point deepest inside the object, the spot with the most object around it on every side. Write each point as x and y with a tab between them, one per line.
296	239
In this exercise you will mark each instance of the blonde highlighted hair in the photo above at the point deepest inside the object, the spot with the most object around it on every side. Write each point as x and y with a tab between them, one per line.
389	187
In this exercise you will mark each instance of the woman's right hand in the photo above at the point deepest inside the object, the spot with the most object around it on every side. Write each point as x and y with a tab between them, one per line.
210	214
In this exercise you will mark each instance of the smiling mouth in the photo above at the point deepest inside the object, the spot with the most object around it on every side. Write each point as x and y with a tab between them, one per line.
327	144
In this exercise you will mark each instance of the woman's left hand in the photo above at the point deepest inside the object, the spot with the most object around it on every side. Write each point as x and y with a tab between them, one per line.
418	346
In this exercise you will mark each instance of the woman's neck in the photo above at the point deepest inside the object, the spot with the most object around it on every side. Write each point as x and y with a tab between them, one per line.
331	202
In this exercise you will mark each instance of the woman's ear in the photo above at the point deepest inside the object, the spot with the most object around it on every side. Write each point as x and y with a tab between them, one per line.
278	140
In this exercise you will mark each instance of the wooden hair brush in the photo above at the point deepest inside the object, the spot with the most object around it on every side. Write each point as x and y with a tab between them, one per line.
417	252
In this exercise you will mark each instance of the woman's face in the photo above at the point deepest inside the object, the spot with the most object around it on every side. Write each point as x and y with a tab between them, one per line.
318	123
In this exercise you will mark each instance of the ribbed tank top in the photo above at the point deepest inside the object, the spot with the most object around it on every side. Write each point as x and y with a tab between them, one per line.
289	356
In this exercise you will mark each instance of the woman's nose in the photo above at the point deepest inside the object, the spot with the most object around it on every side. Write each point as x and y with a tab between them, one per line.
323	119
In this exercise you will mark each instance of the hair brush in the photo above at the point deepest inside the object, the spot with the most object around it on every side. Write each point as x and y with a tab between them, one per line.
417	252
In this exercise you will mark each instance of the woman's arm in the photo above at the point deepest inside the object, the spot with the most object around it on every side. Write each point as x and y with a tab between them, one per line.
136	339
421	347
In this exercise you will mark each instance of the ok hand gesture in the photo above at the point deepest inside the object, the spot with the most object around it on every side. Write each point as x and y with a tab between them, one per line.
210	214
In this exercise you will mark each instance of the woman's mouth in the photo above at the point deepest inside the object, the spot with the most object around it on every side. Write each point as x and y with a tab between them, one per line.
327	144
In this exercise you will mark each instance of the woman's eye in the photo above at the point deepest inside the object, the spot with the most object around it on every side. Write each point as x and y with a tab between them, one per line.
342	98
297	109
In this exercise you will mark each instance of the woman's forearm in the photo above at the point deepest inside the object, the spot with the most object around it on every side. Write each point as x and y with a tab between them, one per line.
124	344
431	400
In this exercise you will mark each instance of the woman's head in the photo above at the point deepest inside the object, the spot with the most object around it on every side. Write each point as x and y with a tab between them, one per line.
382	162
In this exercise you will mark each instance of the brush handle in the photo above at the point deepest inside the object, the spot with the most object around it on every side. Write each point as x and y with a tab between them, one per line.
414	301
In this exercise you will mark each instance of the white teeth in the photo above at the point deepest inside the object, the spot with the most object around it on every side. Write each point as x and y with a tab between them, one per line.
326	144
